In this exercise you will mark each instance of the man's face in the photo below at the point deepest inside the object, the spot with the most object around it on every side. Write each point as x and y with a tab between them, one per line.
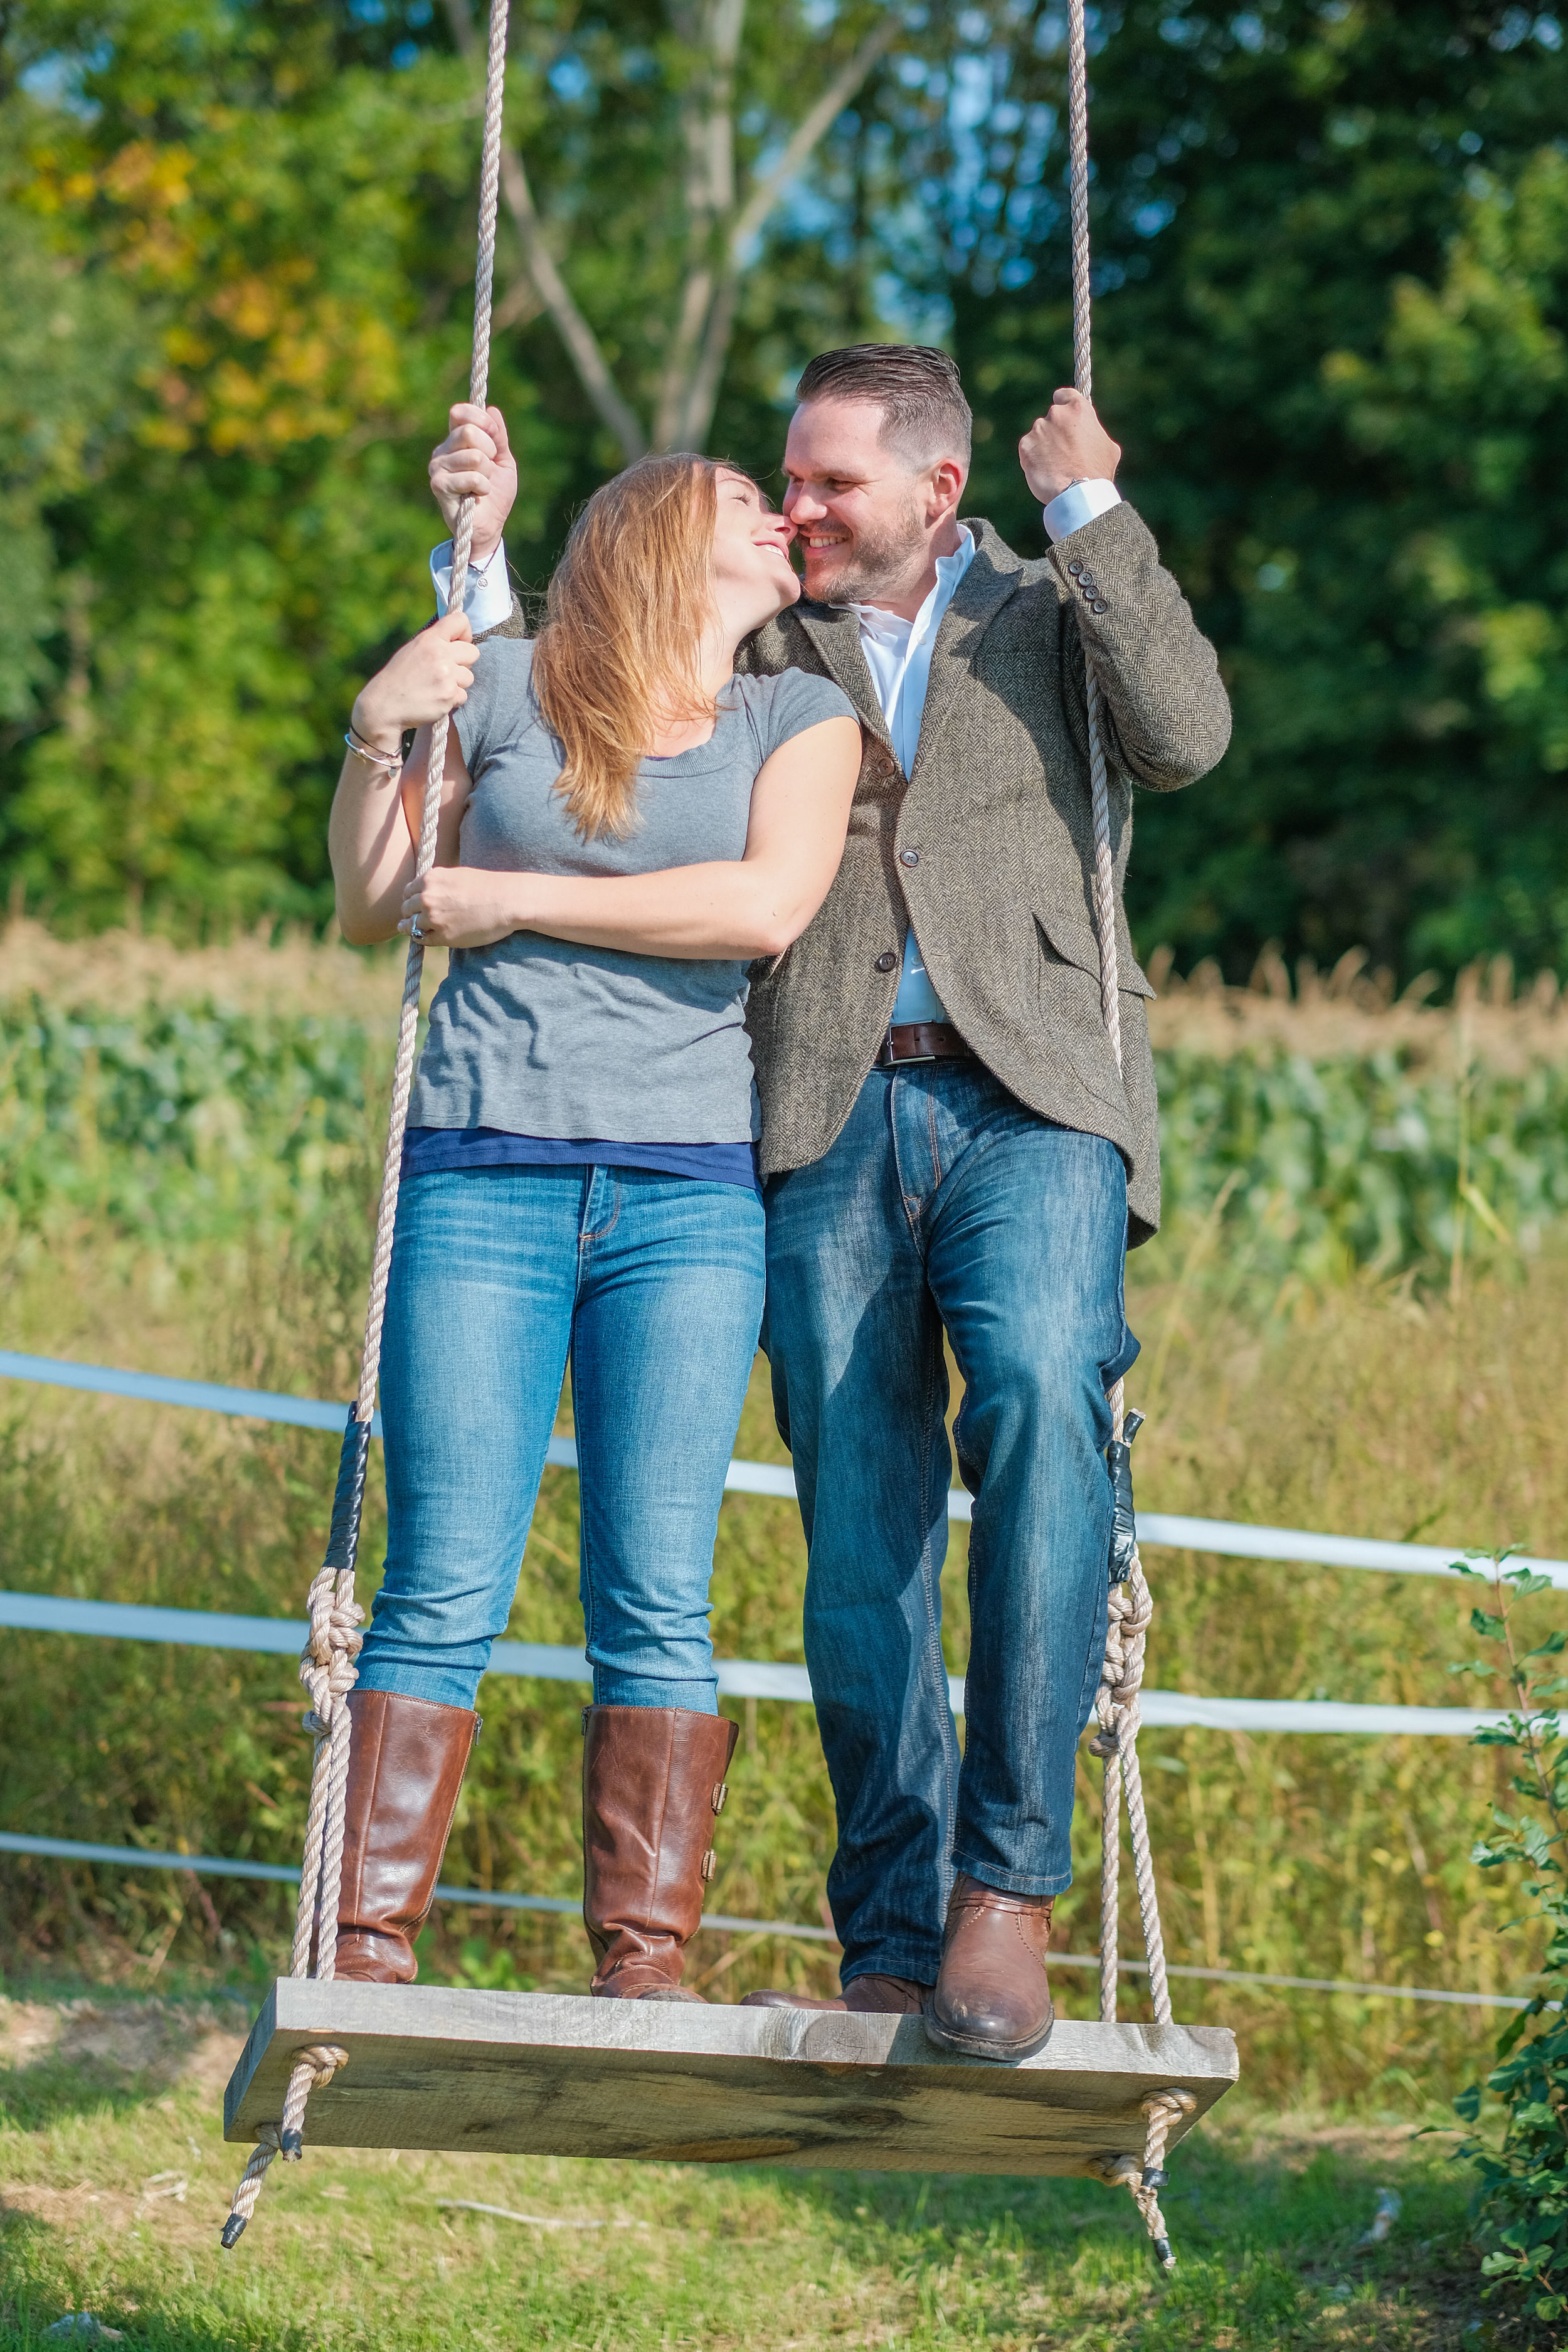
855	504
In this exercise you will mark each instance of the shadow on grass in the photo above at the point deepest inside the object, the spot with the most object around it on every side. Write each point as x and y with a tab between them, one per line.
97	2054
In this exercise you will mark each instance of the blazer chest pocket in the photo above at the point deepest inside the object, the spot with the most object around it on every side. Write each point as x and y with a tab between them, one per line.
1072	1017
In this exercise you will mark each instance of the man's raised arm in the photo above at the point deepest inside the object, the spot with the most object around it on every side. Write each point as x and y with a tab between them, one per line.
475	461
1158	677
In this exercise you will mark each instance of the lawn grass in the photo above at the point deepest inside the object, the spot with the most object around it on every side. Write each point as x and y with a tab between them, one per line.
114	2181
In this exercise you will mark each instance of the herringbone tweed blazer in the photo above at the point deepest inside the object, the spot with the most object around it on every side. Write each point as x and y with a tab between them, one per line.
987	848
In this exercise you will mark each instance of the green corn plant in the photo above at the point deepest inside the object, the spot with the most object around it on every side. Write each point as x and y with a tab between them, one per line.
1522	2197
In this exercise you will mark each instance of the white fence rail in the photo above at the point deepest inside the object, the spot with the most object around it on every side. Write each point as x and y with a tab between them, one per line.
39	1612
206	1865
738	1678
1156	1529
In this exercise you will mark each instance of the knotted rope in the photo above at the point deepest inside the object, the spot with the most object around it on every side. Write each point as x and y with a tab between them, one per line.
1132	1607
1163	2110
311	2069
328	1667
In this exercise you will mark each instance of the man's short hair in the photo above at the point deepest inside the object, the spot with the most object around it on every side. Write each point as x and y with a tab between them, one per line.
919	391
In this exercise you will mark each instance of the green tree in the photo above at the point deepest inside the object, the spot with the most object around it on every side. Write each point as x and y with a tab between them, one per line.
66	364
291	236
281	197
1333	285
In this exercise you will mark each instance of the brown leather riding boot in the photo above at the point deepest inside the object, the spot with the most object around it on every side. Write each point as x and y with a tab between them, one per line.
405	1767
867	1996
653	1779
991	1997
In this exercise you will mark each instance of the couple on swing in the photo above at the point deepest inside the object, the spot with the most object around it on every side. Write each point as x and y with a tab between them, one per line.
774	981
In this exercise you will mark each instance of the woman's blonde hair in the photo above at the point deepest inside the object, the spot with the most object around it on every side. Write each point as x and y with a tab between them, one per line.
619	653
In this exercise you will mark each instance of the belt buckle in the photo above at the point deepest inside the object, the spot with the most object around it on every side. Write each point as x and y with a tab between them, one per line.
896	1061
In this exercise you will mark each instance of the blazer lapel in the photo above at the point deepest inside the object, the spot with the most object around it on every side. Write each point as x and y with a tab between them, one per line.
835	633
992	578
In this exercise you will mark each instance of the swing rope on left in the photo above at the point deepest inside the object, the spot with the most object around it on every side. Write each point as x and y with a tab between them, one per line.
329	1667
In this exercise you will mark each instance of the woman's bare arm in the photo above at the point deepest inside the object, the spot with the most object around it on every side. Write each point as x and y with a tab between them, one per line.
756	905
376	811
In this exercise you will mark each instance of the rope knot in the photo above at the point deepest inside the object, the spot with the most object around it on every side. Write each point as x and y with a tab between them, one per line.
326	2060
328	1663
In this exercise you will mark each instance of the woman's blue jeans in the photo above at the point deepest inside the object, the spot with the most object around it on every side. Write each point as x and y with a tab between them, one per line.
652	1287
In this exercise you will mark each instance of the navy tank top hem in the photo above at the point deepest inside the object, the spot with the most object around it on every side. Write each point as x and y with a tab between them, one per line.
438	1150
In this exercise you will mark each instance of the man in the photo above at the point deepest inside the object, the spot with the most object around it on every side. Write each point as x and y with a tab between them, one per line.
948	1146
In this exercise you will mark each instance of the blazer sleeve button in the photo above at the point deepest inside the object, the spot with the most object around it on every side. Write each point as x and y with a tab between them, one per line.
885	962
1100	605
1075	569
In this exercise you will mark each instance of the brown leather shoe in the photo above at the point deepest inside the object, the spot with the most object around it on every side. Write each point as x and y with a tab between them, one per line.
867	1996
991	1997
405	1767
653	1780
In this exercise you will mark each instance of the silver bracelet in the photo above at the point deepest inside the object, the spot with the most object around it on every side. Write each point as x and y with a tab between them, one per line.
389	762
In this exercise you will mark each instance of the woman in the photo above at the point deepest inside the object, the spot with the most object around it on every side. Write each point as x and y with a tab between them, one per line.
624	825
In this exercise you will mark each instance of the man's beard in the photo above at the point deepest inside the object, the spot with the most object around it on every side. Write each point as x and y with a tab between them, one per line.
877	563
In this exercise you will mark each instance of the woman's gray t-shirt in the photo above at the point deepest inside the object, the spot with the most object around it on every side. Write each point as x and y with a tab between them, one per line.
542	1037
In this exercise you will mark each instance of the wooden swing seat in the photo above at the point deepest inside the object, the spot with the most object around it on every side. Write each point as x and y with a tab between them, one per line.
529	2073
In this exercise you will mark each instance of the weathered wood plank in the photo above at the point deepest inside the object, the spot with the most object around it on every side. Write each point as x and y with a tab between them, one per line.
559	2074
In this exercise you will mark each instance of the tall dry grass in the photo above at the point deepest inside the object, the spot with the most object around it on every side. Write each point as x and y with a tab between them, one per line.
1349	1010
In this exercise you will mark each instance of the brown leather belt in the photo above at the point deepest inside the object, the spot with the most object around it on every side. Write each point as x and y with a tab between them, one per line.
922	1041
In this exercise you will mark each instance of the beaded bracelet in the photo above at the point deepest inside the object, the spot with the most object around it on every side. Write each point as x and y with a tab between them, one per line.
389	762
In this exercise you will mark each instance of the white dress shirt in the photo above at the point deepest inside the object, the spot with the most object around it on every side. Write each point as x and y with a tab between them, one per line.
487	597
897	655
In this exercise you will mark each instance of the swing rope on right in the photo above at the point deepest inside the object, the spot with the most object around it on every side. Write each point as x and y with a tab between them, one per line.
1131	1606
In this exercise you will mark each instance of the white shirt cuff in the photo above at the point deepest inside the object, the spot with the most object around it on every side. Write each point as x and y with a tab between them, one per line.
487	598
1078	504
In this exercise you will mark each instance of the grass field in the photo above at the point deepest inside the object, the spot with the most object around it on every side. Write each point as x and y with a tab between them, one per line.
1335	1335
114	2181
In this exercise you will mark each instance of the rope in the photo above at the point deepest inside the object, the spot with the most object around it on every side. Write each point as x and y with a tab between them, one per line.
1132	1609
1163	2110
312	2068
328	1667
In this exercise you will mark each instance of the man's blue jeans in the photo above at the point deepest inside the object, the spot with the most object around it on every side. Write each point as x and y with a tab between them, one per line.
654	1285
945	1203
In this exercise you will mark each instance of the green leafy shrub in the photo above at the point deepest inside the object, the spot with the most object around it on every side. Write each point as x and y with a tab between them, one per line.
1522	2197
188	1122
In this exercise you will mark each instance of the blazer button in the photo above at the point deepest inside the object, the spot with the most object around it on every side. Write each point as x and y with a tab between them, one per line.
885	962
1075	569
1100	605
1085	579
908	857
